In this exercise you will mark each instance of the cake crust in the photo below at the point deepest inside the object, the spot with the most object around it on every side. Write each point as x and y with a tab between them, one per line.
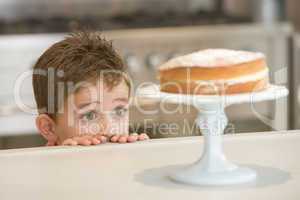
215	89
196	73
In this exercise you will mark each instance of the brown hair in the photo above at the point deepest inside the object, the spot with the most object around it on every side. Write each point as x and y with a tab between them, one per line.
79	57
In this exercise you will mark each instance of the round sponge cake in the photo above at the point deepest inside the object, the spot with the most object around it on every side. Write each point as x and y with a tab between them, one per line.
215	72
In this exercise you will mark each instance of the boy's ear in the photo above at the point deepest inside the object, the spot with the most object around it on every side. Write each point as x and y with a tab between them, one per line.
46	127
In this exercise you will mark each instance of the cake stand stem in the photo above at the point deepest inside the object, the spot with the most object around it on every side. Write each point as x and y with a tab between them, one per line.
212	121
213	168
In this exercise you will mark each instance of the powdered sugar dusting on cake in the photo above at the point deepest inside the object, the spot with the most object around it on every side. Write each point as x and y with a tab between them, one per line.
212	58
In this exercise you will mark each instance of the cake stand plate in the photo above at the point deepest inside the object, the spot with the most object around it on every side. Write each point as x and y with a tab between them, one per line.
213	168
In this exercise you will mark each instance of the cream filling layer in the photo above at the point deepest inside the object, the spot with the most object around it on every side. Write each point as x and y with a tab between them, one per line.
242	79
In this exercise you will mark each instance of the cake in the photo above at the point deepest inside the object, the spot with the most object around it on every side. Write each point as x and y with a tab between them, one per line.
215	72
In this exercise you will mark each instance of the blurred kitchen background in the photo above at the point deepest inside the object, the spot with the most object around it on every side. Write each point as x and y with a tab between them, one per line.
147	33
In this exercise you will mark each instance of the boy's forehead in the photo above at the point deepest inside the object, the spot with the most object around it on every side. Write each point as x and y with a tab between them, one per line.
101	92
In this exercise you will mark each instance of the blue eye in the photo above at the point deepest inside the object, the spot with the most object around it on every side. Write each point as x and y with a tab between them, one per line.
89	116
120	111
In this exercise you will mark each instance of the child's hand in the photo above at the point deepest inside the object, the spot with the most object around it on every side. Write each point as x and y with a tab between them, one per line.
128	138
85	140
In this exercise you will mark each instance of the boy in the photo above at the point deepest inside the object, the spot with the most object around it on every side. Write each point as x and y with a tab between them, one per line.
82	93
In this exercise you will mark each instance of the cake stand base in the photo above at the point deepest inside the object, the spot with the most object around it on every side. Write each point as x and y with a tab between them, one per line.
231	174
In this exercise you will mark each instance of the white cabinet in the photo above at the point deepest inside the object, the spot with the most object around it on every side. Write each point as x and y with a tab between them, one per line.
295	75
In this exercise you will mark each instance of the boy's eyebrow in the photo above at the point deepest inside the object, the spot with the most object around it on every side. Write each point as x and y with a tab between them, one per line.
81	105
124	99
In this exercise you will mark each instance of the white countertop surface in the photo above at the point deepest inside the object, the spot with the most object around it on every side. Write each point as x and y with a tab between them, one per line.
139	170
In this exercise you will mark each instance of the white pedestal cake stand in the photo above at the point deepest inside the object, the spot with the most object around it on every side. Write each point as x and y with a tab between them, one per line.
213	168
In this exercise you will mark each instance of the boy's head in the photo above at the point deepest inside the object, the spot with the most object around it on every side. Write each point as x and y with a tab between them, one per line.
80	87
